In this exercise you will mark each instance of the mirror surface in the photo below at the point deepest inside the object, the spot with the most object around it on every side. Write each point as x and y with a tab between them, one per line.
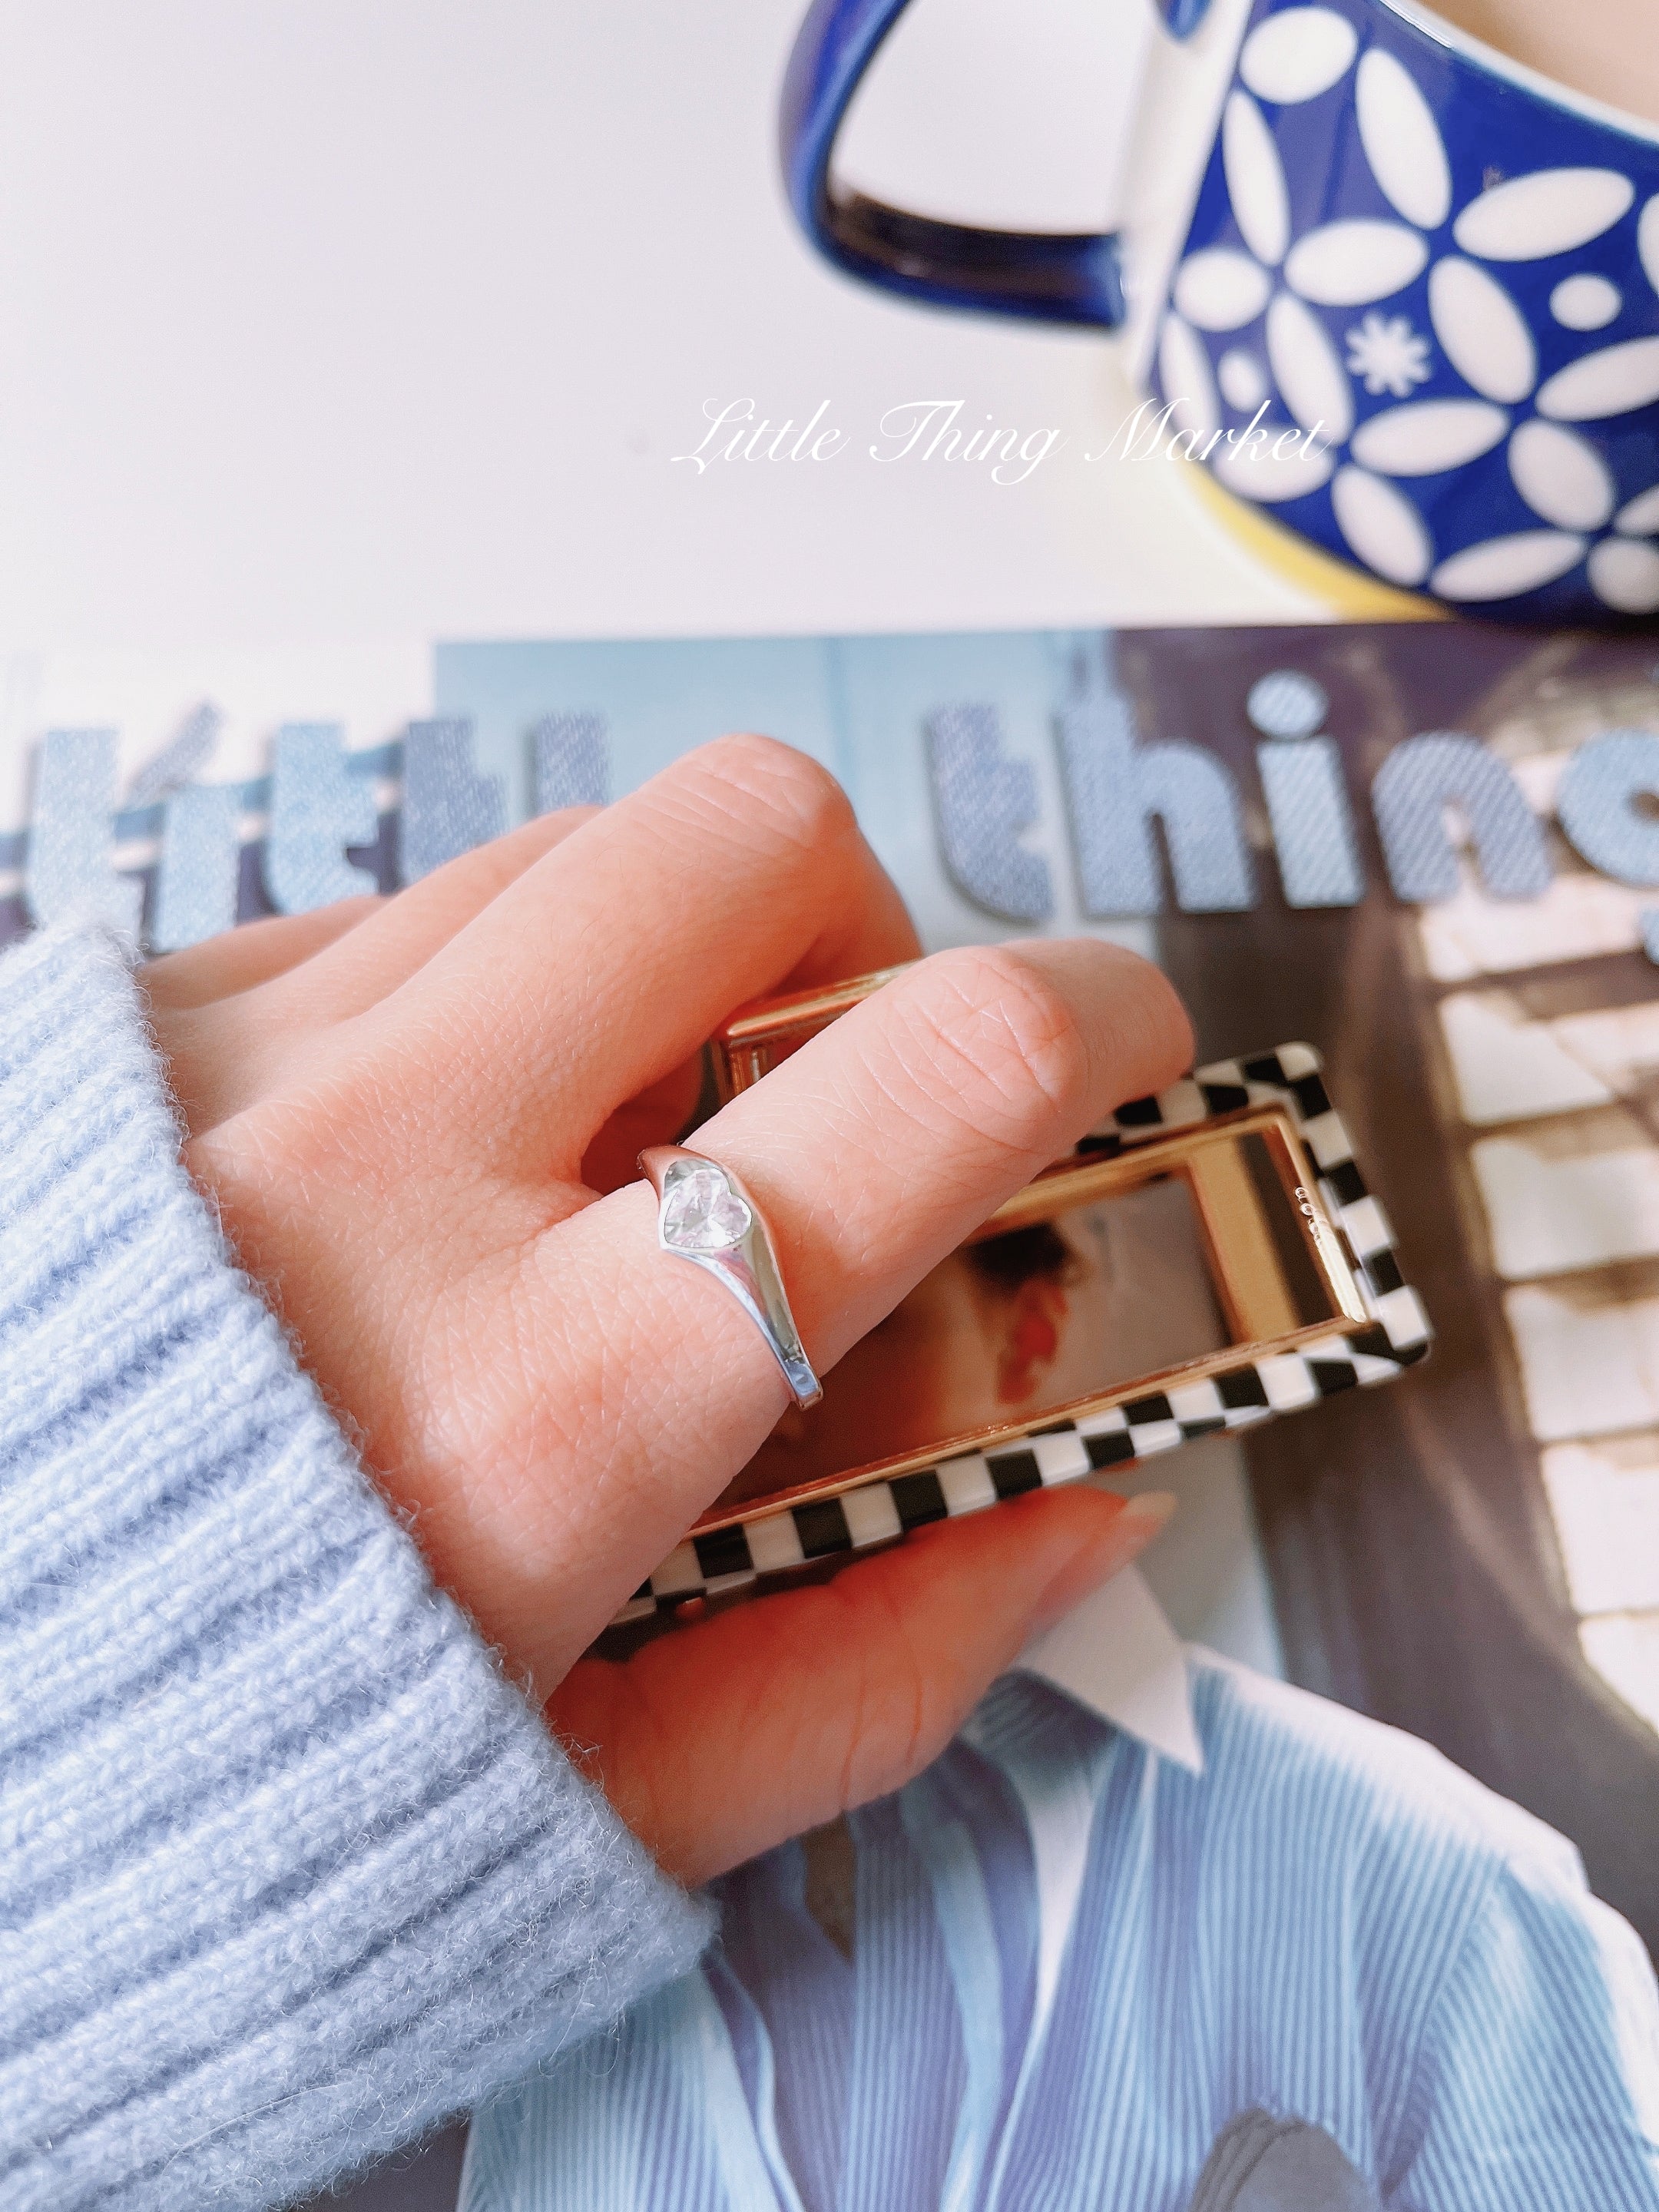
1005	1330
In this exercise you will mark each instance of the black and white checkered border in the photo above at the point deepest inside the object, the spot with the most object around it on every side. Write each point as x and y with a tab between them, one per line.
722	1559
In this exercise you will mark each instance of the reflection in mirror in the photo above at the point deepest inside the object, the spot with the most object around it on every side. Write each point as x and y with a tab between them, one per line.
1104	1277
1005	1330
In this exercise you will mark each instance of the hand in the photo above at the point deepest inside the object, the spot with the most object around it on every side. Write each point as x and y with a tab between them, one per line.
418	1119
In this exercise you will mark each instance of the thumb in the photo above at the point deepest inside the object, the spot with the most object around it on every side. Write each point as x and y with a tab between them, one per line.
737	1731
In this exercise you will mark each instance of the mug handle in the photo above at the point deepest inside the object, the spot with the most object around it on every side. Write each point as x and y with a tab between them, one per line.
1040	277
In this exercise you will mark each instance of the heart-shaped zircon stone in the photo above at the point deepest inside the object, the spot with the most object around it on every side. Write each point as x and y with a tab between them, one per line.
702	1214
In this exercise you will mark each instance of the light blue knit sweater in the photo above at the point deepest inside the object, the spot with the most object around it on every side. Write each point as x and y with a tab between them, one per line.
287	1870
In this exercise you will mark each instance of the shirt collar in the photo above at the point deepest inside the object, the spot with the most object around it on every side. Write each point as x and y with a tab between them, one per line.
1117	1654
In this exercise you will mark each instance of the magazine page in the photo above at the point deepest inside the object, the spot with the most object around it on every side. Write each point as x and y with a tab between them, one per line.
1472	1556
1362	840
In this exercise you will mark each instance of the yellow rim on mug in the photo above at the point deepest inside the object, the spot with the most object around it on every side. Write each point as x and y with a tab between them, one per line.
1348	595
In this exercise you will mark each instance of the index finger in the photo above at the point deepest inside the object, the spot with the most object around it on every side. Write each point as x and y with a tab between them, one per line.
739	871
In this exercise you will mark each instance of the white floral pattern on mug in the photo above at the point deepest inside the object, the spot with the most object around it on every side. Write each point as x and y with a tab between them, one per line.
1478	348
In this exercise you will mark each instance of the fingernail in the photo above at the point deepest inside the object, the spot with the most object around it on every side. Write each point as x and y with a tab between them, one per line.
1148	1511
1124	1539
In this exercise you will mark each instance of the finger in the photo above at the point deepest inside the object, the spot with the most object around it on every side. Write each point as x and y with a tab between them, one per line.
406	931
251	954
657	1116
739	871
894	1134
720	1741
340	961
873	1151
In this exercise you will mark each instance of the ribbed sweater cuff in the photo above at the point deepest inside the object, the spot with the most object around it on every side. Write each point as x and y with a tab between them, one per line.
288	1871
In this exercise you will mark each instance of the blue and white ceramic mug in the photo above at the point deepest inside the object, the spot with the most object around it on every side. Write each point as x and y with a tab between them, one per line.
1348	215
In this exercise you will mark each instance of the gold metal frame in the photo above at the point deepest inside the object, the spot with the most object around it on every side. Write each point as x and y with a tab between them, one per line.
757	1038
1251	1267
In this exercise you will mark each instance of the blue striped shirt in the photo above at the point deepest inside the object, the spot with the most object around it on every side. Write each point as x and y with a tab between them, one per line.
1075	1963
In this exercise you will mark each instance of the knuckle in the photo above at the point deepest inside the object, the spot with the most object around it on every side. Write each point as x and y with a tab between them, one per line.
1006	1038
798	798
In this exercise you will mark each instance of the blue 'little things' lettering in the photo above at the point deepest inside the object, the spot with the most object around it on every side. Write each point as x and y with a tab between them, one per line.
1138	810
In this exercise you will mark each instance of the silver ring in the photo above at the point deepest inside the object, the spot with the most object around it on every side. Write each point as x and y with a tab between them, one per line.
704	1214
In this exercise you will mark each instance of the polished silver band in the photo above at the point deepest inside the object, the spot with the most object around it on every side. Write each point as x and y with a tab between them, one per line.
704	1214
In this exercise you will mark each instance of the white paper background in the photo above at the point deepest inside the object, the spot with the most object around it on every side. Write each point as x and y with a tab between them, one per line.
346	319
